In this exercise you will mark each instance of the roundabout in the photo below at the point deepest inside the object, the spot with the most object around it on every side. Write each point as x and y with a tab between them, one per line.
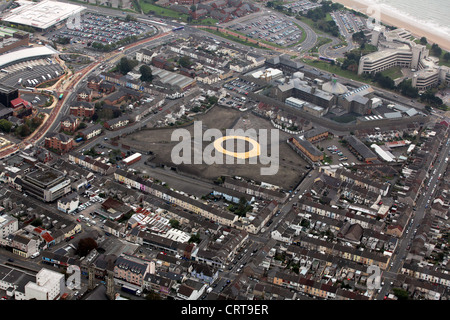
253	152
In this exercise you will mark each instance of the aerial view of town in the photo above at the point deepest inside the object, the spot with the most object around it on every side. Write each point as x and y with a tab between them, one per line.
237	150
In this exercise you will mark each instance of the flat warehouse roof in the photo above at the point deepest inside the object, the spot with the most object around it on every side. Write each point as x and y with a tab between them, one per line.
43	14
29	53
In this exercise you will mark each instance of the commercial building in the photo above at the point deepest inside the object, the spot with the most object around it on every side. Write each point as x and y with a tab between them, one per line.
132	159
7	94
59	142
49	285
358	100
82	109
306	149
27	54
362	152
12	38
46	184
131	270
284	63
172	80
316	134
69	203
42	15
294	102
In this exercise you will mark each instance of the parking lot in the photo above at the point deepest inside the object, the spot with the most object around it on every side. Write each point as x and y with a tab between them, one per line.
238	89
103	29
271	28
347	22
339	154
37	100
31	73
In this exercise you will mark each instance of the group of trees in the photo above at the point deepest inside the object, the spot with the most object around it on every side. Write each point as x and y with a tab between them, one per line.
405	87
125	65
5	125
429	98
28	127
351	61
321	12
108	47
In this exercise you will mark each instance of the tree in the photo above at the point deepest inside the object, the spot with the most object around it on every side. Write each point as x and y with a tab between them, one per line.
423	40
195	238
146	73
193	8
126	65
446	56
174	223
85	246
23	130
436	50
401	294
185	62
5	125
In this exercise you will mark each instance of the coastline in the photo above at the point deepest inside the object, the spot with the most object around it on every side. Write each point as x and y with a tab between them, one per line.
390	18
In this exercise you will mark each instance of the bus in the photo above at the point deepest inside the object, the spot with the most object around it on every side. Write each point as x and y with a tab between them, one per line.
178	28
61	96
327	59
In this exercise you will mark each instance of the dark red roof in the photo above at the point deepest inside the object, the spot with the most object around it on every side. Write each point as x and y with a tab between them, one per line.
18	102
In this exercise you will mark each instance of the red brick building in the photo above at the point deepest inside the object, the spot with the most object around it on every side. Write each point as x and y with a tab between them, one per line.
70	123
59	141
82	109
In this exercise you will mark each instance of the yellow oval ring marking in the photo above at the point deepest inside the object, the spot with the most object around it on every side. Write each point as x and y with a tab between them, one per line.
254	152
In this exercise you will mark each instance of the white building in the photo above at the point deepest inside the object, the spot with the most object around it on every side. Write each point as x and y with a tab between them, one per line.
43	15
69	203
8	225
49	285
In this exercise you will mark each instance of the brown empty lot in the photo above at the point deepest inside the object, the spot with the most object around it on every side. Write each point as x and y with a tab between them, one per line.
291	166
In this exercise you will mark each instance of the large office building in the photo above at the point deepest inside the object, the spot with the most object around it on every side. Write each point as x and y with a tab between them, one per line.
8	94
46	184
395	49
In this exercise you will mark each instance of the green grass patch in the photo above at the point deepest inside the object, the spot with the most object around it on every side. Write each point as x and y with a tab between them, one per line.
206	21
320	42
322	65
310	23
160	11
393	73
234	38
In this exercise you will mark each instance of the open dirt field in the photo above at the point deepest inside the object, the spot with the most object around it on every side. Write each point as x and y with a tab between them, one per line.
291	167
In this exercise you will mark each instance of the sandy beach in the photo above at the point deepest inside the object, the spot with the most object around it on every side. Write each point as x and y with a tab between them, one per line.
391	19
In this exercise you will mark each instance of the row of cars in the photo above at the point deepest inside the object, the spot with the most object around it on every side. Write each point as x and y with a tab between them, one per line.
104	29
273	29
